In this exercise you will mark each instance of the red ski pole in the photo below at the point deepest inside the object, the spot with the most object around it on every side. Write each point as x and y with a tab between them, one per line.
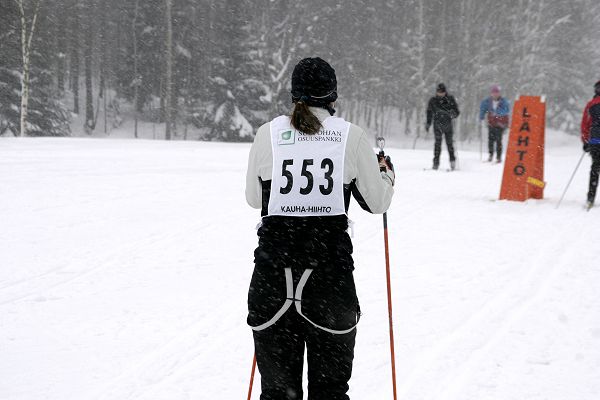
389	299
381	144
252	377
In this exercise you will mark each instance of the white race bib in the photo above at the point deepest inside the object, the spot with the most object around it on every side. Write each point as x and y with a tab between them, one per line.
308	170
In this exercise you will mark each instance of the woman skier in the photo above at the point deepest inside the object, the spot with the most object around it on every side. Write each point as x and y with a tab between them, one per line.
302	170
497	109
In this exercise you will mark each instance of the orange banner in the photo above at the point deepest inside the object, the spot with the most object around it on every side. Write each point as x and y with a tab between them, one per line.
524	168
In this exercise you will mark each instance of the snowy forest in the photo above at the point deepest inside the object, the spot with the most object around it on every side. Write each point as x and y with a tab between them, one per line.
216	70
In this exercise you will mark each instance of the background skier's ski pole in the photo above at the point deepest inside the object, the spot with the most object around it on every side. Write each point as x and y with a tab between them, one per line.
252	377
570	180
381	144
480	140
454	146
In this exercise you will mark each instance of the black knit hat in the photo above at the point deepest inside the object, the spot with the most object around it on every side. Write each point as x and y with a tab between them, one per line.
597	88
314	83
441	88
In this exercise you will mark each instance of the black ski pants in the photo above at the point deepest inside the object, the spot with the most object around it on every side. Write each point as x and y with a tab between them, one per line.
280	357
290	247
445	131
595	171
329	299
495	140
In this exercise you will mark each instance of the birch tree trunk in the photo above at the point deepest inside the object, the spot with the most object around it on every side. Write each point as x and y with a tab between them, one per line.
74	62
103	66
61	47
26	40
136	79
90	123
169	71
421	54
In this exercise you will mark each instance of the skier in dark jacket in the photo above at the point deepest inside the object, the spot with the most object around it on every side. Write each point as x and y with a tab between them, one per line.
302	171
441	110
590	136
497	109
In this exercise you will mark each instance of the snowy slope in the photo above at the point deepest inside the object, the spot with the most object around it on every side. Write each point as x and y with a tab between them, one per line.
125	264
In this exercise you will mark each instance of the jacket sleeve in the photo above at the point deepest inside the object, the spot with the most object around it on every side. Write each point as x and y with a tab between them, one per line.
259	161
456	111
373	188
483	109
586	124
429	112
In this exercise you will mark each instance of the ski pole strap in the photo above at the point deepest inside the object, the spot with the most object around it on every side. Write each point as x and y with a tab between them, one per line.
296	298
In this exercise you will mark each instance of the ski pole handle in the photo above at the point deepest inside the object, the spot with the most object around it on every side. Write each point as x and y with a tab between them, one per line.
380	143
381	155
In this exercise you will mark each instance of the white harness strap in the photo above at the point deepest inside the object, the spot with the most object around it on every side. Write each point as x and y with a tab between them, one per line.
297	299
289	283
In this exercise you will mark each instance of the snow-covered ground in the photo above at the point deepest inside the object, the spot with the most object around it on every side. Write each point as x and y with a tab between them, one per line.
125	264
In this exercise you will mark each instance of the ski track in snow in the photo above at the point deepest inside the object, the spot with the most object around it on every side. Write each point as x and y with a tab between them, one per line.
126	265
520	297
497	316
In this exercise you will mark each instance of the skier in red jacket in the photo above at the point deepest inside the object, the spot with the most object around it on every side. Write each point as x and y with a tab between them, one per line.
590	136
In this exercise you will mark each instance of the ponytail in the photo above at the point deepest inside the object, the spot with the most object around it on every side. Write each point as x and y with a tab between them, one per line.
304	120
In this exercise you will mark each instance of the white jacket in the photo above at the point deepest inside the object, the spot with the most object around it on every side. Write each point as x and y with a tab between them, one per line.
371	188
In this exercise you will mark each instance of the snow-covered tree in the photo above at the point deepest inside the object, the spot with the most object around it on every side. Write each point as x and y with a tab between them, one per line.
231	60
29	104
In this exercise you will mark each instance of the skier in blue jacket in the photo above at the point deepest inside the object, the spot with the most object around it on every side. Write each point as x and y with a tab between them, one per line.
497	109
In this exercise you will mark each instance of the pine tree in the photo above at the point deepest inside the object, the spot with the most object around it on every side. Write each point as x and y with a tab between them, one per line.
229	123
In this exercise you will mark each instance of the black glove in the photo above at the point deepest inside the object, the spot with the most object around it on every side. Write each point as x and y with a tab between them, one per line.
586	147
427	126
387	160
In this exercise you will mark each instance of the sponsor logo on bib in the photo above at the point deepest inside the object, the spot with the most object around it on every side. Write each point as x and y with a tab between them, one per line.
286	137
